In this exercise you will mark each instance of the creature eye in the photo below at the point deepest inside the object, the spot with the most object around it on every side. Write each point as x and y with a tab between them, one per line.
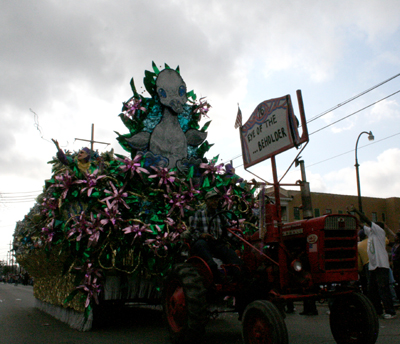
162	93
182	90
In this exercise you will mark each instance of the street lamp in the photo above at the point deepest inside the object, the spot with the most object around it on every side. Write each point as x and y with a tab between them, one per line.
371	138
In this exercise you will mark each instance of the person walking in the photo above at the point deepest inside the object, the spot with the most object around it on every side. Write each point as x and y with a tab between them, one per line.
378	286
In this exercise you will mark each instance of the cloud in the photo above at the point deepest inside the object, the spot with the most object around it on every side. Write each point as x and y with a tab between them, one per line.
386	110
378	178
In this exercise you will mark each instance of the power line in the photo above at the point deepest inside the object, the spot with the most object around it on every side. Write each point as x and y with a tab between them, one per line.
352	151
351	99
12	193
339	120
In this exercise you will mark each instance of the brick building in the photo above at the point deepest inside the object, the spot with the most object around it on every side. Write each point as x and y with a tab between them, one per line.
386	210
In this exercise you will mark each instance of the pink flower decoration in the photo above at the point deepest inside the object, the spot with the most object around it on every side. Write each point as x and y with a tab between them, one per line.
211	169
132	106
203	107
65	182
133	166
112	216
91	181
165	176
90	284
228	198
117	196
138	230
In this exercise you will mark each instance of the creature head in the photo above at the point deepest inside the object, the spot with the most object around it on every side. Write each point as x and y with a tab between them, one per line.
171	90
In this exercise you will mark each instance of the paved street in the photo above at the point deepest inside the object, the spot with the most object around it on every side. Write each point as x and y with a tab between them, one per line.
21	323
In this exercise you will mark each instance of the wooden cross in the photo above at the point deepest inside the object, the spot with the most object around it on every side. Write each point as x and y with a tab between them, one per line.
92	141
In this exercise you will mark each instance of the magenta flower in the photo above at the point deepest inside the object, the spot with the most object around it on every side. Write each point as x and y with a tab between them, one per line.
137	229
211	169
133	166
203	107
132	106
90	284
48	232
112	215
79	226
49	204
162	239
94	229
165	176
228	198
117	196
65	181
178	201
91	182
190	193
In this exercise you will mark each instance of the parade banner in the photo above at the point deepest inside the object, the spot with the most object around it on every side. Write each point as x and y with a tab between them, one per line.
270	130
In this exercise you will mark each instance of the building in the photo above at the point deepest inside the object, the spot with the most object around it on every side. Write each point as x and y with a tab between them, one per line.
386	210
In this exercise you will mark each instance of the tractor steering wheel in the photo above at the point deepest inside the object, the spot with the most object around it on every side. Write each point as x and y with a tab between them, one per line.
217	233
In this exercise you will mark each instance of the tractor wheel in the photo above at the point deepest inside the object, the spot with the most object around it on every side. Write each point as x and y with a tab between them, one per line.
353	320
185	305
263	324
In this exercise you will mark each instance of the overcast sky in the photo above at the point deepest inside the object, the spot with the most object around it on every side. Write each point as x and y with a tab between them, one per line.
66	65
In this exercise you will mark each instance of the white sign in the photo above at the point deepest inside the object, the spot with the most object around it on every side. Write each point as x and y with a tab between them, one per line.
271	129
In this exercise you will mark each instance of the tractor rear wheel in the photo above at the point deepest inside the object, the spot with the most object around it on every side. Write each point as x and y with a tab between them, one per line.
353	320
263	324
185	305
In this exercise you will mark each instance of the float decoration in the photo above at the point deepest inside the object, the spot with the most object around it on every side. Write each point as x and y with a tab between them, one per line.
107	213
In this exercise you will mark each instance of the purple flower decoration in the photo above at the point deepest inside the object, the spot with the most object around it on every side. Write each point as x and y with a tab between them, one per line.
203	107
91	182
165	176
94	229
177	200
90	282
65	181
228	198
112	215
132	106
48	205
211	169
137	229
161	240
79	226
117	196
132	166
48	232
190	193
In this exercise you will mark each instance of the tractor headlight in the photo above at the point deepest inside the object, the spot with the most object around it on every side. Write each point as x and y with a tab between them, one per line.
297	266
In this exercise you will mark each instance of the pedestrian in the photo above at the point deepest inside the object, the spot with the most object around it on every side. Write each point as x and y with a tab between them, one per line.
378	286
396	262
363	260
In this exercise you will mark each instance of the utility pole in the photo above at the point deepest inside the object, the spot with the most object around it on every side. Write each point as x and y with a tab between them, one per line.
92	141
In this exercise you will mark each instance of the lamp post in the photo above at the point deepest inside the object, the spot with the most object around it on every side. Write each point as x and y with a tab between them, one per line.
371	138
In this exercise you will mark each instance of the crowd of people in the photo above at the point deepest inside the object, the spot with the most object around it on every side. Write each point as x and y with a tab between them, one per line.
24	279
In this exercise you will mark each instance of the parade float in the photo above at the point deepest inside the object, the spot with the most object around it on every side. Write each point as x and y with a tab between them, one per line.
107	227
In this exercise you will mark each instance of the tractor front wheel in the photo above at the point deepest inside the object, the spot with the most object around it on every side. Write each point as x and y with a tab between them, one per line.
263	323
353	320
185	305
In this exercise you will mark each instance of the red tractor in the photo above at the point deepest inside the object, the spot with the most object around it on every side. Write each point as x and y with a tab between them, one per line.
313	259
